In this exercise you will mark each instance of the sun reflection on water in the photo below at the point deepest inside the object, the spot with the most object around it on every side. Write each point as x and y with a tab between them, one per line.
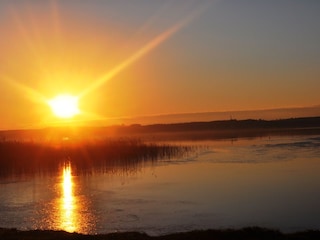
71	210
68	203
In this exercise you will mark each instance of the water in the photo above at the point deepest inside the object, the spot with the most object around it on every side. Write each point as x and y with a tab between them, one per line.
267	182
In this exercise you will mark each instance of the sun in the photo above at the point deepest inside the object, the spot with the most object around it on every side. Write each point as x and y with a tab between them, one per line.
64	106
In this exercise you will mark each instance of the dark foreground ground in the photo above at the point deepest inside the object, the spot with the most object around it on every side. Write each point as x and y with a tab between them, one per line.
251	233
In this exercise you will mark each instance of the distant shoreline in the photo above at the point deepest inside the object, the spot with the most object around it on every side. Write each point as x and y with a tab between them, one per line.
211	130
252	233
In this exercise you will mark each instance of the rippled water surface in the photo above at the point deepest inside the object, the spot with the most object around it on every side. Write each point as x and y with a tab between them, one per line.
269	182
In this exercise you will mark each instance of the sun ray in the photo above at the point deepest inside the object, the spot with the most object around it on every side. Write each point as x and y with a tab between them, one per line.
148	24
152	44
22	30
32	94
92	116
34	47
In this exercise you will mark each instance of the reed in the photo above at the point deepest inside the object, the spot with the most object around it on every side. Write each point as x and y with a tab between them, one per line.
32	157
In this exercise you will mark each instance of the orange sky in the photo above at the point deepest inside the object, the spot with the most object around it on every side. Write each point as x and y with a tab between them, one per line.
133	58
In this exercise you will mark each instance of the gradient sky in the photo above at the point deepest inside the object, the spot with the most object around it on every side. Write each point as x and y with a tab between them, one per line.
161	56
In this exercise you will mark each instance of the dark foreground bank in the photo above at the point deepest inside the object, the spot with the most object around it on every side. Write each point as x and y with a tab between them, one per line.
250	233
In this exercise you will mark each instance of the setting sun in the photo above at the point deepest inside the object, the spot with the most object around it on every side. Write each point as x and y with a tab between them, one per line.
64	106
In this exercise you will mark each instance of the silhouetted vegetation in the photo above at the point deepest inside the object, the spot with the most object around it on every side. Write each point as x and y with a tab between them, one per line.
252	233
177	131
226	129
29	151
32	157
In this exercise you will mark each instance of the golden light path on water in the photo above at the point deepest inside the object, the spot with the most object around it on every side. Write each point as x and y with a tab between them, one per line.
71	210
68	204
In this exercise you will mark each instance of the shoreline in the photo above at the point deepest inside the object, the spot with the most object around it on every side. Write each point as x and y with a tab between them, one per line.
243	233
212	130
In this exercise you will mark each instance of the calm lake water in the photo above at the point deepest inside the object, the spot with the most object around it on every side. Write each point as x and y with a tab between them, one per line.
268	182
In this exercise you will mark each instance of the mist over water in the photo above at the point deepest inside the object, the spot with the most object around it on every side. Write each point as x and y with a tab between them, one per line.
268	182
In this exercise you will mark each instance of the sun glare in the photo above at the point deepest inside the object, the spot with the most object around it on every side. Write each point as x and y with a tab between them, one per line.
64	106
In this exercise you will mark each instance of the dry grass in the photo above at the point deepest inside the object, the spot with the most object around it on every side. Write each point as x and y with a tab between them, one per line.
34	157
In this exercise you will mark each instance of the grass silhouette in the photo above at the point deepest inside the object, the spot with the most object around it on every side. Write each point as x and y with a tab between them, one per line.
19	157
